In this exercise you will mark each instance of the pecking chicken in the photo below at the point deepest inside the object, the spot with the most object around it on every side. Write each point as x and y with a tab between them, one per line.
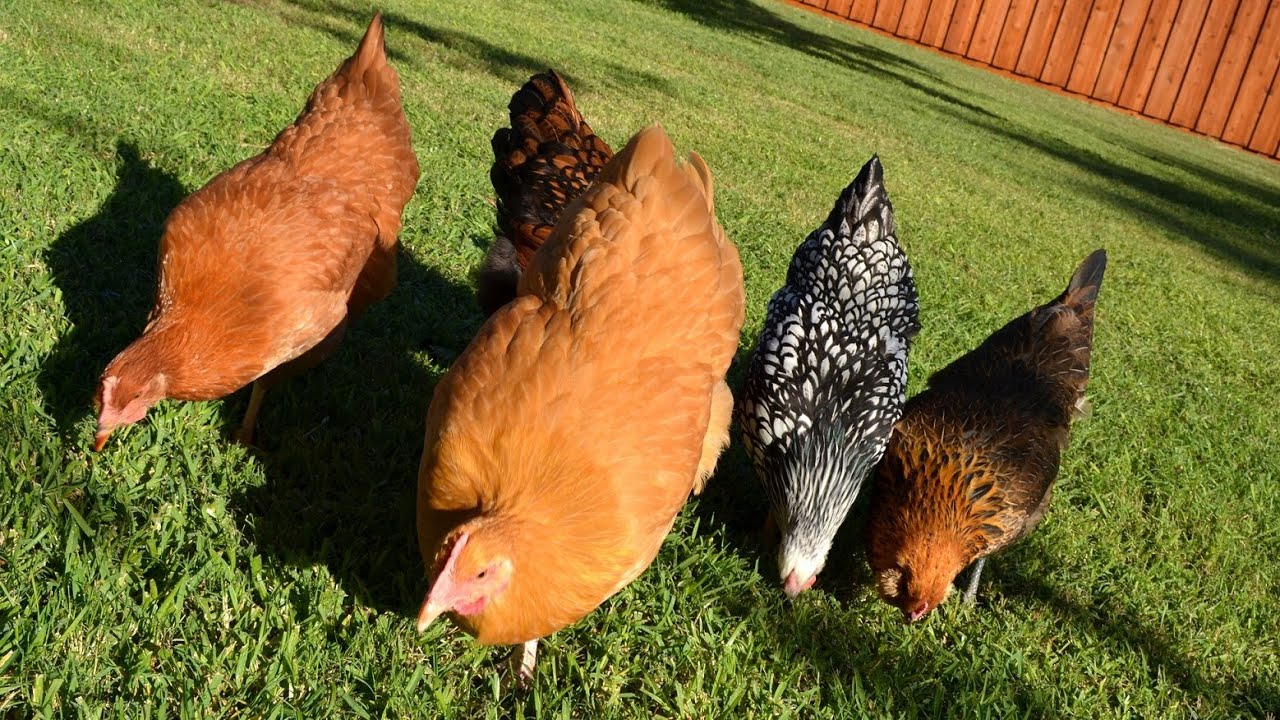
261	269
565	439
829	373
971	465
545	160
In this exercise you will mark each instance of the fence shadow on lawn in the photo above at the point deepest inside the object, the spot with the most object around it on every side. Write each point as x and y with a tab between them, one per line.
509	65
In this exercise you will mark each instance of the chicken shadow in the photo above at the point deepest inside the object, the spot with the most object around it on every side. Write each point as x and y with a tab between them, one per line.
105	268
340	444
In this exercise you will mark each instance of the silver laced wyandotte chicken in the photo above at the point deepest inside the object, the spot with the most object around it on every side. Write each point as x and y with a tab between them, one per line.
971	465
546	159
829	374
261	269
565	439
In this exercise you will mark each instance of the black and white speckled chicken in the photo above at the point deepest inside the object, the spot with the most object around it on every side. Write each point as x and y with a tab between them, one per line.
829	374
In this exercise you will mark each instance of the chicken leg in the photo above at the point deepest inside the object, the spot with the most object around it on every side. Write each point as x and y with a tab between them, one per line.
523	661
245	434
975	572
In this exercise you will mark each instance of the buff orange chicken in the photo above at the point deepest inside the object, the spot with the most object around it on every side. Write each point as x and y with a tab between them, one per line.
566	438
261	269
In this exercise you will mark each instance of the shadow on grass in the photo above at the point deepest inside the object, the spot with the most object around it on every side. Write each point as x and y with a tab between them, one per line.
105	268
508	64
341	443
1230	218
1115	627
761	22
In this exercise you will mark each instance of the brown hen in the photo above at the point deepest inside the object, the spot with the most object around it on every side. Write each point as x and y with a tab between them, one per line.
545	160
261	269
971	464
565	439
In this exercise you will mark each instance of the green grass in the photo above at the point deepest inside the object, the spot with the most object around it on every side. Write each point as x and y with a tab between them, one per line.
177	574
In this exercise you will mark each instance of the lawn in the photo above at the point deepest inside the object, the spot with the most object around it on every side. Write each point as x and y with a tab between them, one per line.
178	574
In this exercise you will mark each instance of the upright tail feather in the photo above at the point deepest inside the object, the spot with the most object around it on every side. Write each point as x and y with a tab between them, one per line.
546	159
1087	280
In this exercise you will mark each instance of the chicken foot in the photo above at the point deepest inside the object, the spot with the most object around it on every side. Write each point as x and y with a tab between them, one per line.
975	572
245	434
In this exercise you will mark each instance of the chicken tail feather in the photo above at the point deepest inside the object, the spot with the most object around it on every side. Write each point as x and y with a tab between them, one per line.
1087	280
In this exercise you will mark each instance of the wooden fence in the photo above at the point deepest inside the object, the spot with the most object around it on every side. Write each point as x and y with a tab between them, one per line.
1210	66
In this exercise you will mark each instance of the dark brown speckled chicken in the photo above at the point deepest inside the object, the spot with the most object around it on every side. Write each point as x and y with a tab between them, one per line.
971	465
546	159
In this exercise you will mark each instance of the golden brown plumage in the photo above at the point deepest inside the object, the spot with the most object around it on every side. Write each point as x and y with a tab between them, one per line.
568	435
261	269
546	159
971	465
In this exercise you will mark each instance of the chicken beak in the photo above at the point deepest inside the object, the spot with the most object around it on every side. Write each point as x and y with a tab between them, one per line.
100	438
793	586
429	612
914	616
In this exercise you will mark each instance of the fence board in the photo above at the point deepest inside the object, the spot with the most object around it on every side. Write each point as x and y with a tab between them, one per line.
1203	63
1266	136
1066	42
1014	34
1212	66
1093	46
1120	49
986	32
1247	107
864	10
960	32
839	7
1035	49
935	26
1177	53
1146	60
1227	78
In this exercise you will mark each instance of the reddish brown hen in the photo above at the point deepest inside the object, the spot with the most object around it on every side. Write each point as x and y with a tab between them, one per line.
541	163
971	464
565	439
261	269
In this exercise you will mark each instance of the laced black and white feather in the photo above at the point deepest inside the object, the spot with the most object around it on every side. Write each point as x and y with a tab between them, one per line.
828	377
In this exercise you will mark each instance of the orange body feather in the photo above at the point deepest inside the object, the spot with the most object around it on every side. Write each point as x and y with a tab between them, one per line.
569	434
260	269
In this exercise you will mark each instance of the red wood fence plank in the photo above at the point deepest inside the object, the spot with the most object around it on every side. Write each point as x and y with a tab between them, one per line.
1203	63
1226	81
1257	78
986	32
913	16
1177	53
1093	46
1266	136
935	26
1119	56
1014	34
888	14
1146	59
1066	42
960	33
839	7
864	10
1035	49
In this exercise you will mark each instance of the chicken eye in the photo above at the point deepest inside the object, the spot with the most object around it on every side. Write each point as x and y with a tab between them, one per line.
482	574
